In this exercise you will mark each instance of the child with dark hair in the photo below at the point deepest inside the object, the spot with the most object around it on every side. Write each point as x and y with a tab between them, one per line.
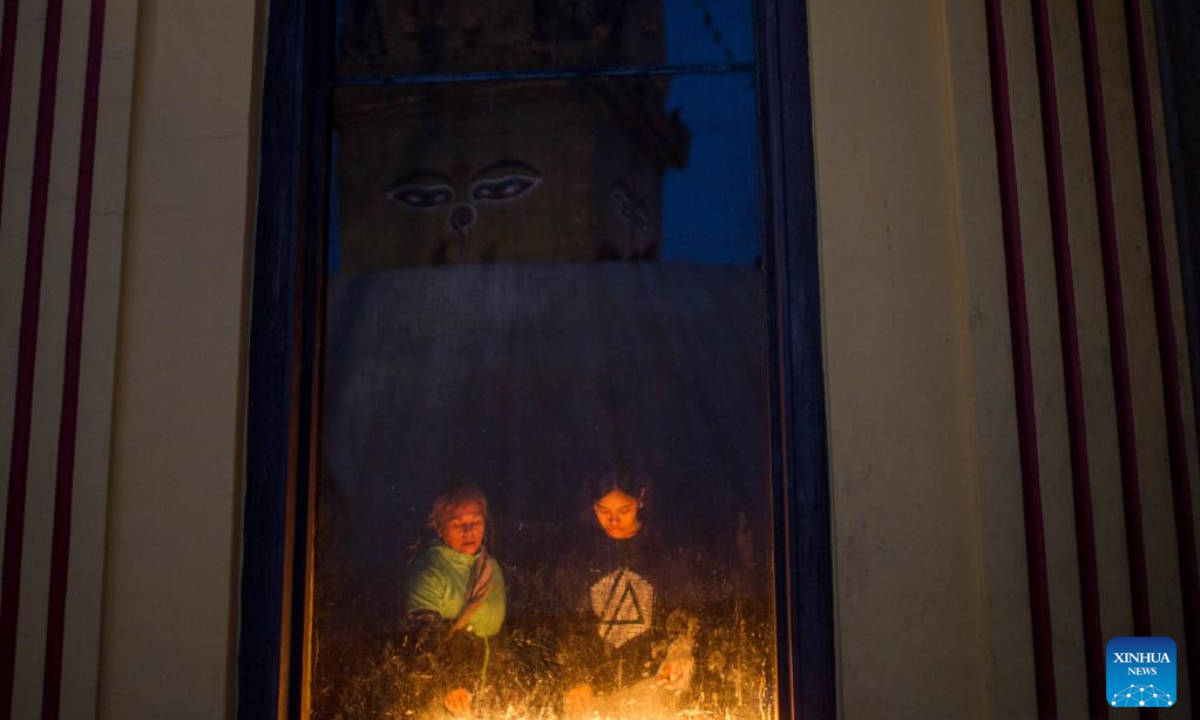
630	639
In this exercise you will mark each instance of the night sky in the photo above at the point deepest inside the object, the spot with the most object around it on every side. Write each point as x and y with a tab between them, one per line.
711	208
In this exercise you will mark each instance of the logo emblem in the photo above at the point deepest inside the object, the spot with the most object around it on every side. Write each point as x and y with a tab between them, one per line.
1141	672
624	603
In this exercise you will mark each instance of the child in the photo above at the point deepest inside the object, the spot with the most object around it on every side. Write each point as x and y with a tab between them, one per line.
455	597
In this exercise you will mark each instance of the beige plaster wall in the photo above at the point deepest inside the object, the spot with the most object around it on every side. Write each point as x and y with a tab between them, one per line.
104	230
928	523
909	575
172	560
1006	617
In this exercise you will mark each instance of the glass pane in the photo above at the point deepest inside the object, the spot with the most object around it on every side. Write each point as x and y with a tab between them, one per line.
550	291
415	37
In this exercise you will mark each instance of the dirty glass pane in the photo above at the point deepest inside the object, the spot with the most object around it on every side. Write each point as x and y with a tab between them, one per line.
550	291
414	37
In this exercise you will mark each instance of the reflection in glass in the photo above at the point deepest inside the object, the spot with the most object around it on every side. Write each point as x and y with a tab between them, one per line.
413	37
549	291
503	172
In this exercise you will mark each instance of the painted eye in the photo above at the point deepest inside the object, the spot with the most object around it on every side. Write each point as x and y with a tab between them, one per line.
509	187
642	224
422	197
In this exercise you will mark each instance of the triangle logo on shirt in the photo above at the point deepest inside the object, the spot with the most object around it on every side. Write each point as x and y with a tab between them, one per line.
623	602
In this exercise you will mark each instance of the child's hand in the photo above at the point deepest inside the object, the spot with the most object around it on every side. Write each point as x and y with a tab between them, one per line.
458	701
669	675
675	674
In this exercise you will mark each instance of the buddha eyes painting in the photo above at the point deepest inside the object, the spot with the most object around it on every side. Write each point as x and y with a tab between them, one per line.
545	461
429	190
504	172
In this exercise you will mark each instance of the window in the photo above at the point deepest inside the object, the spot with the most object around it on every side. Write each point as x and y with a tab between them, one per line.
535	249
